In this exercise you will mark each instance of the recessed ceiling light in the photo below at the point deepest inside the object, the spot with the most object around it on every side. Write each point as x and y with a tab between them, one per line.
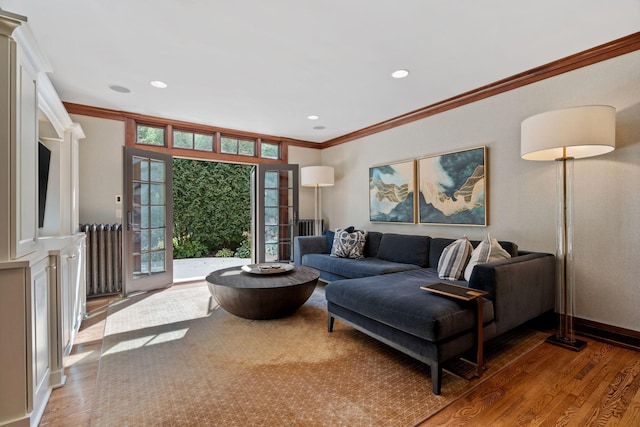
159	84
400	74
118	88
313	117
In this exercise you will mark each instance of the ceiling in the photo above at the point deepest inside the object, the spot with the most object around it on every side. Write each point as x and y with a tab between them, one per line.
264	66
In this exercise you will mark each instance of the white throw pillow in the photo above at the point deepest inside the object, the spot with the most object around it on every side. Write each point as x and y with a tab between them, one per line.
453	259
488	250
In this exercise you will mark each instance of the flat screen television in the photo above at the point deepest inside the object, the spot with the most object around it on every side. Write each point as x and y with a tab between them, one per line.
44	159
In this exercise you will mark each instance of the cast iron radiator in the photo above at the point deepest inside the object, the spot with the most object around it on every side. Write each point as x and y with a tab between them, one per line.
305	227
104	259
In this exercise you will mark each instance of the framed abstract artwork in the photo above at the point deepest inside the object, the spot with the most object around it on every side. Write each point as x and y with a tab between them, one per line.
391	192
452	188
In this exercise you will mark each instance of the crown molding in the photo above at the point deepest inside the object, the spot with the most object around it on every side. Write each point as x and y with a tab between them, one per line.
9	22
48	100
30	47
588	57
105	113
51	106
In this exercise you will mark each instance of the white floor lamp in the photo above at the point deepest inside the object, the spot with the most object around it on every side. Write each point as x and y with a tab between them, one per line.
317	176
565	135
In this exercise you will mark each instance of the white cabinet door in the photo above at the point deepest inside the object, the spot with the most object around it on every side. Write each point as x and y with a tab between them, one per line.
25	163
40	343
67	305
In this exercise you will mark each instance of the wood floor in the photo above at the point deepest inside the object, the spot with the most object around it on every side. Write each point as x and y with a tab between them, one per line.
70	405
550	386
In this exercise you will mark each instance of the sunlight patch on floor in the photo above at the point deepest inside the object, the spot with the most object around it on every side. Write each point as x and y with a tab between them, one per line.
74	358
145	341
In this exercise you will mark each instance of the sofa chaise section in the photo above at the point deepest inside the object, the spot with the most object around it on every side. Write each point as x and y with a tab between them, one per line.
434	329
380	294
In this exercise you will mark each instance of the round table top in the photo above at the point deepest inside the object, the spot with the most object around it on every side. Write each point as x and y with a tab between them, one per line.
234	277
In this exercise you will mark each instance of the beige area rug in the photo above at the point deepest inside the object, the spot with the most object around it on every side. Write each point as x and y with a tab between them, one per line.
175	358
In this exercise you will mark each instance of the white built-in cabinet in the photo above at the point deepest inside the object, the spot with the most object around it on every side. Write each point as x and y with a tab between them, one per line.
42	270
19	126
68	303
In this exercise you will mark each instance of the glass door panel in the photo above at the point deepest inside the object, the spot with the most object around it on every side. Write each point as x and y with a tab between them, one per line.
148	249
275	210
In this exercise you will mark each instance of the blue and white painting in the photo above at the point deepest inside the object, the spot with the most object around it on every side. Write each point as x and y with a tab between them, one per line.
391	189
452	188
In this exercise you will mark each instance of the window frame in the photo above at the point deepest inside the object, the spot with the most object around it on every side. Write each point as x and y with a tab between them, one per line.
131	135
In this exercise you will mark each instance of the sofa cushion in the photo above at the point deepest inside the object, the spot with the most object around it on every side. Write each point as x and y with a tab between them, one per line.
405	249
352	268
397	300
348	245
454	259
488	250
372	244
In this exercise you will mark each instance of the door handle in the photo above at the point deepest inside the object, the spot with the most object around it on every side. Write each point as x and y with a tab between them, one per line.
130	224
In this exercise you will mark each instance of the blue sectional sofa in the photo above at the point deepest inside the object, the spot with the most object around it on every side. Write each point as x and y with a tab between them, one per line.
380	294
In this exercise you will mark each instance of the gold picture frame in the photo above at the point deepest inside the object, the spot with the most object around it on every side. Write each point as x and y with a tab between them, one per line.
391	192
452	188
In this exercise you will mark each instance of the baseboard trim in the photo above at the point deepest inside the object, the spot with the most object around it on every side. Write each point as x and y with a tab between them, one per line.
626	338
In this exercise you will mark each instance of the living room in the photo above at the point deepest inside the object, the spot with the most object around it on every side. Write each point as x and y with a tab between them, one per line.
521	194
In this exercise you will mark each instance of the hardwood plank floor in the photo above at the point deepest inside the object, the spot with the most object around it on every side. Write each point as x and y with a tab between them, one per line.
549	386
552	386
70	405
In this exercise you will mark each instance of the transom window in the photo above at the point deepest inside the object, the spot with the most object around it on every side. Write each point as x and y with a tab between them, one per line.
150	135
206	143
269	150
243	147
192	140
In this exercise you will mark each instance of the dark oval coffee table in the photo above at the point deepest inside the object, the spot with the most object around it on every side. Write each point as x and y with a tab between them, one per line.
262	296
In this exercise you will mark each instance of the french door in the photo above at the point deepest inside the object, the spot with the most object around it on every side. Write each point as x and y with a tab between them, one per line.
274	212
147	243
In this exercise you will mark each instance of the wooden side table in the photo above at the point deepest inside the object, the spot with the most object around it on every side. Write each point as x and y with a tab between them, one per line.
466	294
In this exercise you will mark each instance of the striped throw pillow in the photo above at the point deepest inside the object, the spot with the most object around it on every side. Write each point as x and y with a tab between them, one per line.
453	259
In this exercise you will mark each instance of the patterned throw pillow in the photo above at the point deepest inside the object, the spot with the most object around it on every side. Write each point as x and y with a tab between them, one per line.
488	250
453	259
348	245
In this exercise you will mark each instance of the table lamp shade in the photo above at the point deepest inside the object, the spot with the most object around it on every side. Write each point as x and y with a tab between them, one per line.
316	176
576	132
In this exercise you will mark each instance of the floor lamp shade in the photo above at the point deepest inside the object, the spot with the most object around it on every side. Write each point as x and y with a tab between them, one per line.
576	132
565	135
317	176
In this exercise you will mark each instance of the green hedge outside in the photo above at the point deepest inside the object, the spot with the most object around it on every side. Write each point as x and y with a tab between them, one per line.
211	208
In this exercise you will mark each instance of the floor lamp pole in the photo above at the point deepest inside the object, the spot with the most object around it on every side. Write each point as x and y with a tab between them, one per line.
317	222
564	256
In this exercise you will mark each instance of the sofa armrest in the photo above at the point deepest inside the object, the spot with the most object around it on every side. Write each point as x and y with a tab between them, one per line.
521	287
308	245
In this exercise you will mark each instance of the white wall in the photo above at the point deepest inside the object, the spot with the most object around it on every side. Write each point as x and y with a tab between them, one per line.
100	169
521	193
